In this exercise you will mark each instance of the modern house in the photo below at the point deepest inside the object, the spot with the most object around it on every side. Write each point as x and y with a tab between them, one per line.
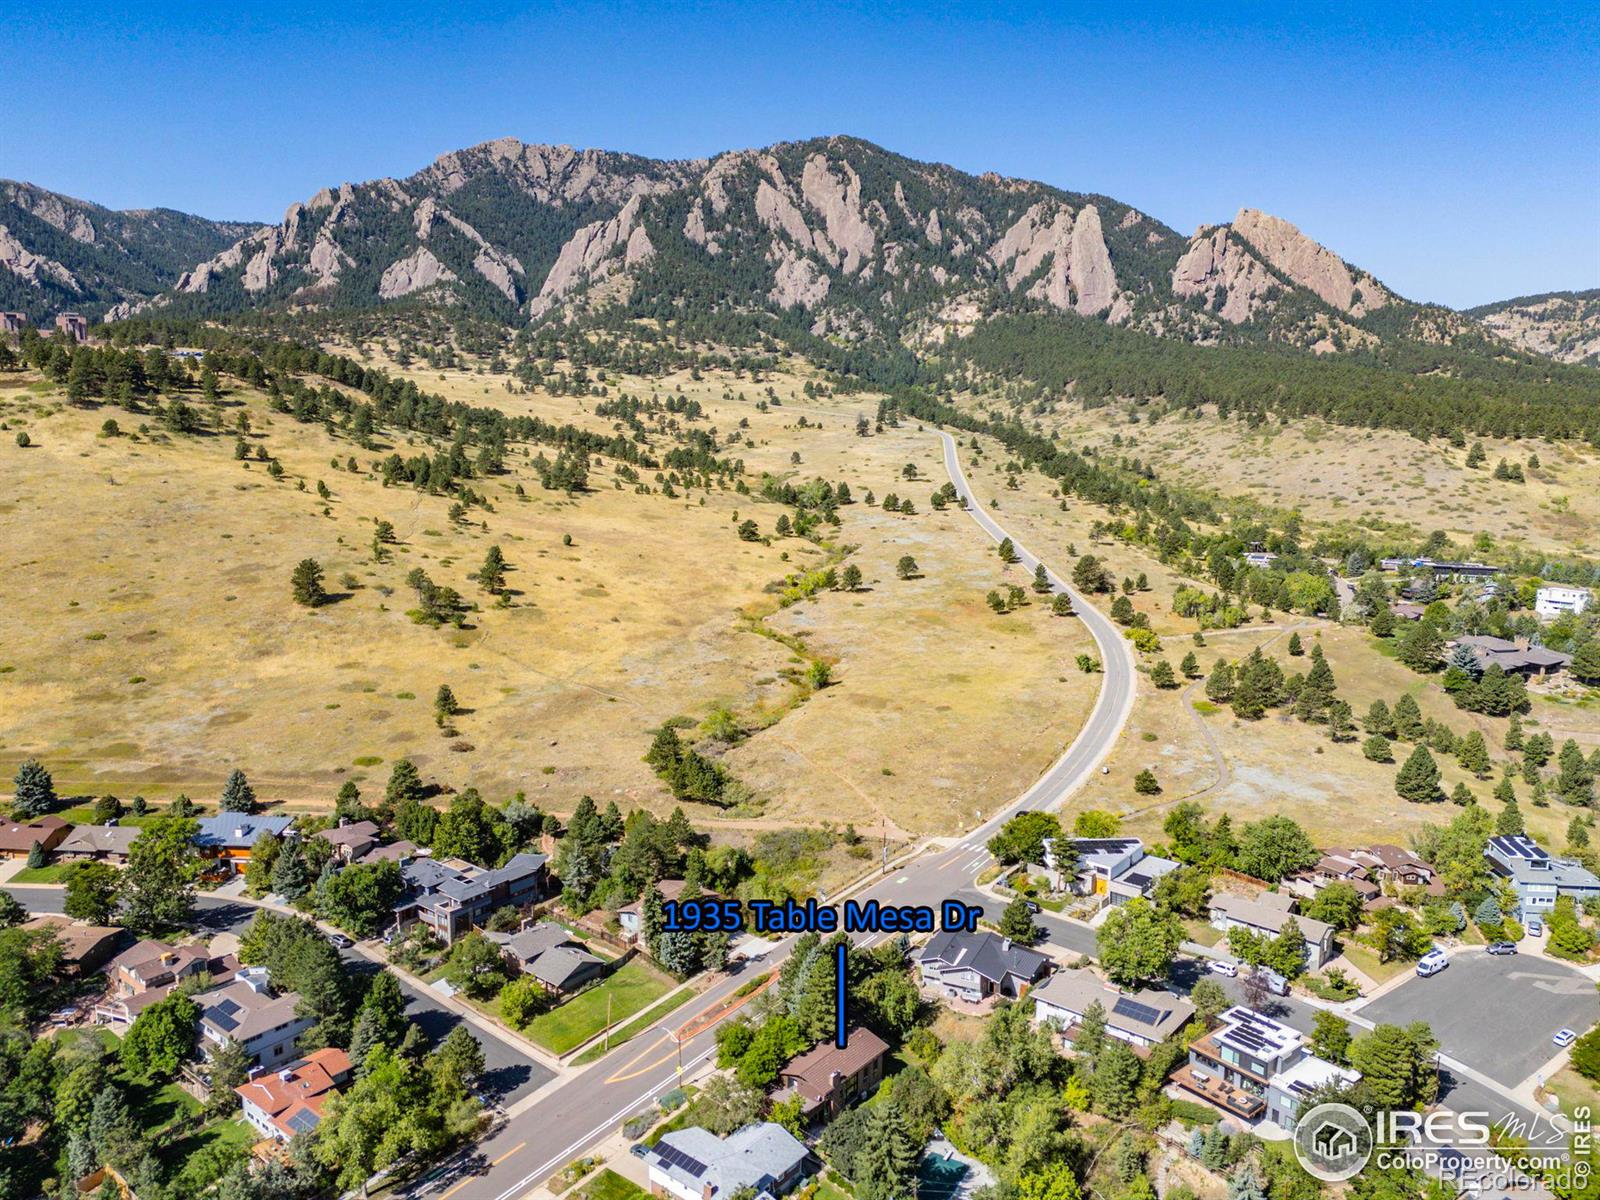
148	972
975	966
1551	602
450	898
250	1012
228	837
1514	658
74	325
629	916
1141	1018
695	1164
1536	877
351	840
98	843
18	838
279	1104
1459	570
1255	1068
1265	914
827	1079
1117	868
552	956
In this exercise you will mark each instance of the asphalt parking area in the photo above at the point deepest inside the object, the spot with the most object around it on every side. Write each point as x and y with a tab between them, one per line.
1496	1014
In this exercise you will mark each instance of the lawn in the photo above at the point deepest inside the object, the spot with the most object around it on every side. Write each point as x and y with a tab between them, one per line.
1365	961
636	1026
1574	1091
54	873
155	1108
1201	932
608	1185
831	1187
621	996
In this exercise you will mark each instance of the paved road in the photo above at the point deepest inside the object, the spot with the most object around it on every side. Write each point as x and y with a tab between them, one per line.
509	1073
571	1117
1471	1005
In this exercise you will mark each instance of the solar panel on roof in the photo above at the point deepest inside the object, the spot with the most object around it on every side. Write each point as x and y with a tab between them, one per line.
303	1121
674	1157
1135	1011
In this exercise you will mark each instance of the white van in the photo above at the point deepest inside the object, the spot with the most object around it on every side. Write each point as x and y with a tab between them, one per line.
1432	962
1275	983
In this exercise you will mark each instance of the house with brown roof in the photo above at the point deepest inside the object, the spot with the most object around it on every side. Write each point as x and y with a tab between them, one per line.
1518	657
249	1011
827	1078
630	916
279	1104
98	843
18	838
84	947
351	840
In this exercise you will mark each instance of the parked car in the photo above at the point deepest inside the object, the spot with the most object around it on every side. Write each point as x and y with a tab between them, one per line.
1536	926
1275	983
1221	966
339	940
638	1149
1564	1037
1502	948
1432	962
1033	906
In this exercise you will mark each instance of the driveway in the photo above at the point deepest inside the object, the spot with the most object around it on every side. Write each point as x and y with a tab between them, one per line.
1497	1014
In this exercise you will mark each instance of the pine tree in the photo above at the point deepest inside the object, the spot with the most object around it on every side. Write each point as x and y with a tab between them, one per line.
290	877
1376	749
1461	795
1509	821
1041	580
35	791
1296	649
1408	725
404	783
237	794
1379	720
1513	740
1220	683
1162	674
1418	780
492	575
306	583
1473	754
1190	666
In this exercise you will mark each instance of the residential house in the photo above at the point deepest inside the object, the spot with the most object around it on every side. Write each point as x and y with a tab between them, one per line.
1461	570
351	840
280	1104
1255	1068
630	917
827	1079
976	966
552	956
450	898
149	971
84	947
1117	868
1399	866
227	838
1536	877
1265	914
1552	602
1514	658
1405	610
1260	558
18	838
397	852
695	1164
1142	1018
98	843
250	1012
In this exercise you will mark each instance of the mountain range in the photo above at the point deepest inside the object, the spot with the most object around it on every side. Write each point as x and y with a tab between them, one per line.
840	237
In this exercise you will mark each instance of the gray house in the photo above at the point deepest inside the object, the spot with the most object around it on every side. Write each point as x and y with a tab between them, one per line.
1535	877
1140	1018
695	1164
975	966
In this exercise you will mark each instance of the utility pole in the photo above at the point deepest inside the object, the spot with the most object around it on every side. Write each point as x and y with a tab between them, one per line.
884	824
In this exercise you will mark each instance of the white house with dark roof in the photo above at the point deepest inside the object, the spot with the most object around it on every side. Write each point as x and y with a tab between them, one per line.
1265	914
975	966
1141	1018
695	1164
1117	868
250	1012
450	898
1257	1069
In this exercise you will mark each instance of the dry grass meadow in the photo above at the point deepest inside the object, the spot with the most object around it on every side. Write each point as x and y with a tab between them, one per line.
149	644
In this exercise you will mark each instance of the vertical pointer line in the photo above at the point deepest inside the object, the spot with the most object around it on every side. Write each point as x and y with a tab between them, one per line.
839	953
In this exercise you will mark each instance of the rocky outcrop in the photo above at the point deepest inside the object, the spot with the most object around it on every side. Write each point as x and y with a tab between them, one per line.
1070	249
53	210
837	197
500	269
1308	264
416	271
32	268
1564	326
558	175
592	254
797	281
1233	280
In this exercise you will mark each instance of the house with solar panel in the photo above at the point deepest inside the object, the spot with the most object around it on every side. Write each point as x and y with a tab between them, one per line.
280	1104
450	897
1257	1069
695	1164
1536	877
1141	1018
1116	868
251	1012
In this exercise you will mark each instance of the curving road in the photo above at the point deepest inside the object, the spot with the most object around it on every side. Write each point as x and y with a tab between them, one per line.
564	1117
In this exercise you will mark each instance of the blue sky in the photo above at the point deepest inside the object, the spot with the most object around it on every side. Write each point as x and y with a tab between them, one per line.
1453	150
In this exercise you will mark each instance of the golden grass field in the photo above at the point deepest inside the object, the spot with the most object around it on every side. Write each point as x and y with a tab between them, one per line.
149	643
1375	478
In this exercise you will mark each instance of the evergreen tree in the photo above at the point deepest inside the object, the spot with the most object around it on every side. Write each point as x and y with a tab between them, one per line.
492	575
1408	725
1378	720
1473	754
237	794
1513	740
306	583
1220	683
1418	779
1190	666
1162	674
1296	649
1376	749
404	783
35	791
1509	821
886	1165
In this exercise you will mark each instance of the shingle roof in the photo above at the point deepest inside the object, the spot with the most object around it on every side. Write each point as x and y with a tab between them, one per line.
1267	917
990	955
21	836
754	1157
1149	1012
99	839
813	1074
560	966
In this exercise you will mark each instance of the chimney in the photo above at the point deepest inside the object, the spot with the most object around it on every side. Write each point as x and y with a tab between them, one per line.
238	832
285	1075
343	821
